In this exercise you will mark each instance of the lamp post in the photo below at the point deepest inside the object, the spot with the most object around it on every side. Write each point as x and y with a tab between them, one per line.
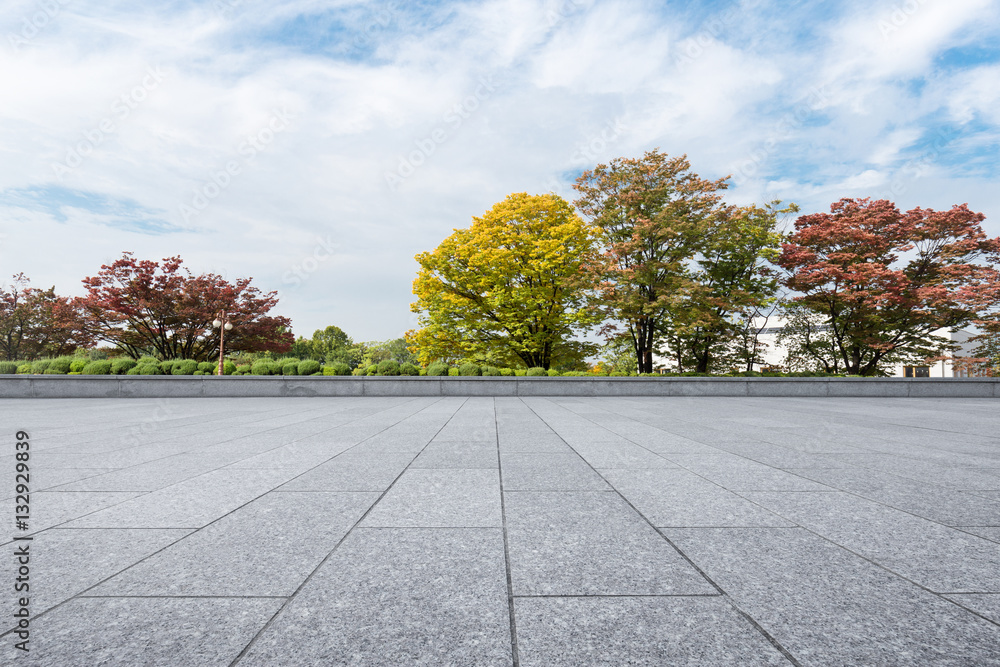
223	324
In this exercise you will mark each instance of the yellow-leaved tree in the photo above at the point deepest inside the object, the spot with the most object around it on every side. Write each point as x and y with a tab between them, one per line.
509	289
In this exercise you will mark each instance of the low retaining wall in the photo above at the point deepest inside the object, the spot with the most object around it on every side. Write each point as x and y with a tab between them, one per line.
185	386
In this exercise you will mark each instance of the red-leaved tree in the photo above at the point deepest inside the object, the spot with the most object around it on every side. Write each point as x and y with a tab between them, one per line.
36	322
883	281
144	306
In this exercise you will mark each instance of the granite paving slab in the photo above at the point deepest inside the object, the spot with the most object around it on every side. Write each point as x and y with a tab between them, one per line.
523	471
443	498
984	604
236	555
352	471
398	596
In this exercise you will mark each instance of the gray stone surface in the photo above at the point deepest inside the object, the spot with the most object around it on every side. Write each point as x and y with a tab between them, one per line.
644	632
591	543
153	632
623	529
236	555
398	596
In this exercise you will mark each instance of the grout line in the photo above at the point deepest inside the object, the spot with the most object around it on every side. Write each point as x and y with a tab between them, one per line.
515	654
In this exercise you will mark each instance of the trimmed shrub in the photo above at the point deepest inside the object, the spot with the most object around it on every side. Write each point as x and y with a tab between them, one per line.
168	366
372	370
243	370
8	367
50	371
146	369
261	367
337	368
77	365
308	367
469	370
289	366
61	365
148	360
228	368
208	366
40	366
184	367
537	371
122	366
437	368
408	369
388	367
553	373
453	371
618	374
520	372
507	372
102	367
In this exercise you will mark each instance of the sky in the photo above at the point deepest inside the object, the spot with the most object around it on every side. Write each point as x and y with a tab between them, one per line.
318	145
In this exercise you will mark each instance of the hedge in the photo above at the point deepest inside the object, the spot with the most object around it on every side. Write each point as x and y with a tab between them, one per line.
388	367
308	367
122	366
337	368
469	370
97	368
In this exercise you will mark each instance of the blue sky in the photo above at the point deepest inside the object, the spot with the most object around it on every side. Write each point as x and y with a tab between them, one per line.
319	145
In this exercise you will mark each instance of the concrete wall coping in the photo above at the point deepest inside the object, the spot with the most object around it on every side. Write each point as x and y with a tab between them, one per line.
188	386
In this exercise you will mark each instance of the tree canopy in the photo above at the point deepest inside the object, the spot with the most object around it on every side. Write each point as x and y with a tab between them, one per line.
507	287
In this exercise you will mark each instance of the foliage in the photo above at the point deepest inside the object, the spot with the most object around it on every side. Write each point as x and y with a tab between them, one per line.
469	370
184	367
97	368
122	366
491	371
848	269
140	305
388	367
508	285
8	367
409	369
289	366
24	369
40	366
438	368
36	322
337	368
208	367
77	365
308	367
655	216
262	367
536	371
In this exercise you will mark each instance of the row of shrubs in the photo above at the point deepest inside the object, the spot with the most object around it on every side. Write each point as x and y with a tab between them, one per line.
293	366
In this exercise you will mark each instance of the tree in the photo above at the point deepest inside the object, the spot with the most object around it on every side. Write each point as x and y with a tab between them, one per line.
507	286
36	322
848	267
655	215
144	306
332	344
733	279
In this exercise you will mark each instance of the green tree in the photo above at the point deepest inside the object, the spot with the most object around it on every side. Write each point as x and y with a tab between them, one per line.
507	285
655	216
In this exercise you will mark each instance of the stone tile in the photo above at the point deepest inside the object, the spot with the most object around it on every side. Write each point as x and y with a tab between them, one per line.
930	501
63	479
549	472
54	508
942	559
449	454
621	456
590	543
440	498
398	596
237	555
190	504
739	474
533	443
990	533
352	471
644	632
984	604
65	562
153	632
680	498
966	479
827	606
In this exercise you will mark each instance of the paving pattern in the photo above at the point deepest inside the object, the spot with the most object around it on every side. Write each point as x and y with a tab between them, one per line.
508	531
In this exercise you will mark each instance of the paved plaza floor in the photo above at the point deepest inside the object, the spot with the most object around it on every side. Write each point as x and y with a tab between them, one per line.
507	531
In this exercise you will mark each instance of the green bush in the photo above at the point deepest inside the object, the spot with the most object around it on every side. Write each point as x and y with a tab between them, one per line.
618	374
40	366
184	367
122	366
61	365
102	367
208	367
537	371
228	368
520	372
372	370
261	367
553	373
388	367
77	365
308	367
408	369
438	368
24	369
453	371
148	360
8	367
491	371
145	369
470	370
289	366
243	370
167	367
507	372
337	368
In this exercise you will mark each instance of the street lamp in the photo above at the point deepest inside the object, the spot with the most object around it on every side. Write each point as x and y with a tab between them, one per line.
223	324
